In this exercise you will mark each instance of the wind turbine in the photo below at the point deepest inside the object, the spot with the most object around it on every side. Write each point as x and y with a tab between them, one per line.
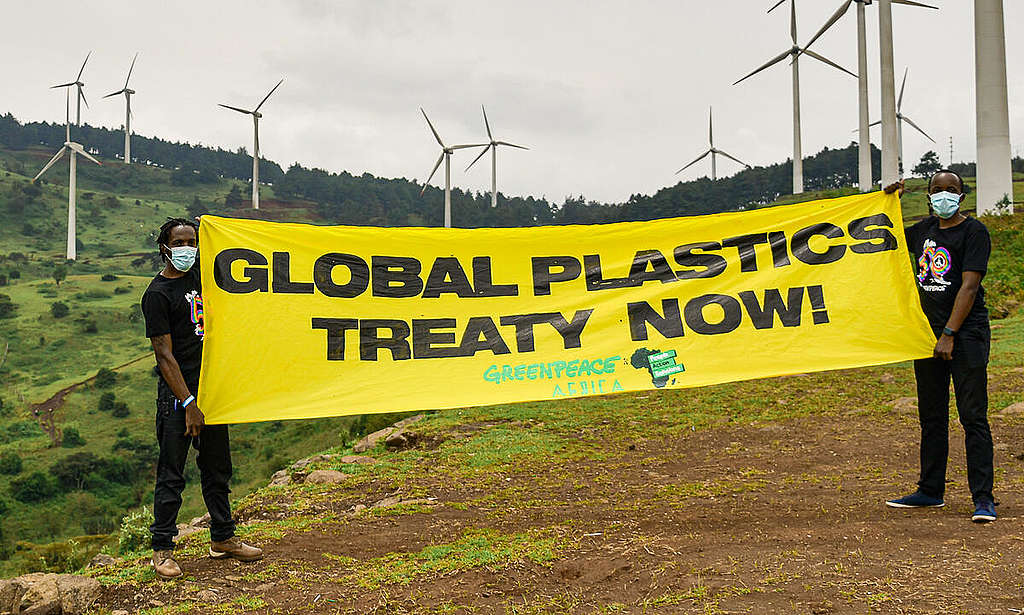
256	115
73	149
794	52
80	98
127	112
446	156
493	146
713	151
863	138
900	118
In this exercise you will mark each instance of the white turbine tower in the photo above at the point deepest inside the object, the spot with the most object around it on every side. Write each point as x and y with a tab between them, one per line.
127	112
493	147
446	156
794	53
900	118
73	149
863	138
995	174
80	97
256	115
713	151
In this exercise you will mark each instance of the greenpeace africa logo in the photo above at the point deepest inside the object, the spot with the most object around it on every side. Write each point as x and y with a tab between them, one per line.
935	261
660	365
195	309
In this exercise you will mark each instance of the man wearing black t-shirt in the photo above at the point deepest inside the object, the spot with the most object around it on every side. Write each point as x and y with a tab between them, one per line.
951	253
173	307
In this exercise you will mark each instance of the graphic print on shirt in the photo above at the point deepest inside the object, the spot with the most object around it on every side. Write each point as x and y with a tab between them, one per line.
195	305
933	266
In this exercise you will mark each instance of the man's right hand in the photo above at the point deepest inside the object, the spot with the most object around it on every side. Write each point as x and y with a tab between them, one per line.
894	187
194	419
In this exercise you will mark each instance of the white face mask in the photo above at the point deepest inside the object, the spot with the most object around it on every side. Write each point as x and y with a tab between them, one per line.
183	257
945	204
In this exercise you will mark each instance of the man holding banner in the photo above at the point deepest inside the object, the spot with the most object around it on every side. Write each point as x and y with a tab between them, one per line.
951	254
173	308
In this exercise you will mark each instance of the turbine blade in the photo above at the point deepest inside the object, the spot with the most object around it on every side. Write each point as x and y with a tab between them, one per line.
67	115
899	102
711	129
777	4
82	95
482	152
235	108
822	58
130	68
486	123
732	158
831	22
510	144
81	150
63	85
699	158
268	95
81	70
912	3
436	136
432	171
114	94
918	128
767	64
875	123
55	158
792	22
465	145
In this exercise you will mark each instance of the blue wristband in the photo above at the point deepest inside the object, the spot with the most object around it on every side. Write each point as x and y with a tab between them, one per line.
188	400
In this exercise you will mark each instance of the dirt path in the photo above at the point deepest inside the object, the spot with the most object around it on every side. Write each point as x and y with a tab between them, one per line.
768	517
45	412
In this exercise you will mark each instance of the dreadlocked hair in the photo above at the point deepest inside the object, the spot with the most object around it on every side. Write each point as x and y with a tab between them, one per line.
165	230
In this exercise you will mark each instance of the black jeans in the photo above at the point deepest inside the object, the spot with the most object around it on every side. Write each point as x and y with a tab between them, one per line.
214	461
970	383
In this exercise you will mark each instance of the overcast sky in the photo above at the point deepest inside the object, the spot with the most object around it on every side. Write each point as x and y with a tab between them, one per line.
611	97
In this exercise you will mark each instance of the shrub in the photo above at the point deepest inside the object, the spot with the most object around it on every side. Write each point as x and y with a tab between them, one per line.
123	433
75	471
7	307
105	378
35	487
10	463
72	438
3	507
108	277
122	290
120	410
90	326
3	280
106	402
134	534
59	310
14	274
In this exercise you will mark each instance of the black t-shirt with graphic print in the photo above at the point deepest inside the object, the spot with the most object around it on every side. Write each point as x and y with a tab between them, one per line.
175	306
940	258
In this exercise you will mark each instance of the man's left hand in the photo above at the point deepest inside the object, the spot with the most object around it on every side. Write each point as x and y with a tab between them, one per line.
944	348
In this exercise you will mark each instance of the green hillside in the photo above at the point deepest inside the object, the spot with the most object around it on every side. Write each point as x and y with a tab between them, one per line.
64	486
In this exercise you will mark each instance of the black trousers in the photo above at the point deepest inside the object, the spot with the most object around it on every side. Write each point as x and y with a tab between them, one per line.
214	461
968	370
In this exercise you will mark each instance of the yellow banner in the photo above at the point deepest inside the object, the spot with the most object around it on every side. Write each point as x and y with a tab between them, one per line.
306	321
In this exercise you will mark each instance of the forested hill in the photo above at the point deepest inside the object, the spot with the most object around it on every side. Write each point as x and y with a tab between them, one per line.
344	198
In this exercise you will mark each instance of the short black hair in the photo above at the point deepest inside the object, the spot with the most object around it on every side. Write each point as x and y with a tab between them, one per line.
951	172
165	230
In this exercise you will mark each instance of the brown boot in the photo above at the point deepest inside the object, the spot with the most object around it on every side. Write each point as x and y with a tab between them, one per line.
233	547
165	566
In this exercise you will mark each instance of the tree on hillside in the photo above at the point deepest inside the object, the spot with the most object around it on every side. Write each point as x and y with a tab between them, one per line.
60	272
35	487
197	208
10	463
234	197
928	166
59	309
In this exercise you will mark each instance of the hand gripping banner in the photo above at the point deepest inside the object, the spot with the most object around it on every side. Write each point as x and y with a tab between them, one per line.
308	321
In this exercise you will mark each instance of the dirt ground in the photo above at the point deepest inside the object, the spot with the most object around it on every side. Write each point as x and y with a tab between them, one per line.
784	516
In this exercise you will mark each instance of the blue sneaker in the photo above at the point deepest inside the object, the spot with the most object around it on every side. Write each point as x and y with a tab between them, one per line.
916	500
984	511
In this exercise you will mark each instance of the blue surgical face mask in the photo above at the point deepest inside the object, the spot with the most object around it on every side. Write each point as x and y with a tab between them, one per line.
945	204
183	257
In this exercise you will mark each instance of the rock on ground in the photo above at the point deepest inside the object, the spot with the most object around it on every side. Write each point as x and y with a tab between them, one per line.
42	593
329	477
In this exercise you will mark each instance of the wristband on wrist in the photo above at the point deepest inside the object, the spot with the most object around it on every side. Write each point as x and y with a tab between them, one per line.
188	400
948	331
